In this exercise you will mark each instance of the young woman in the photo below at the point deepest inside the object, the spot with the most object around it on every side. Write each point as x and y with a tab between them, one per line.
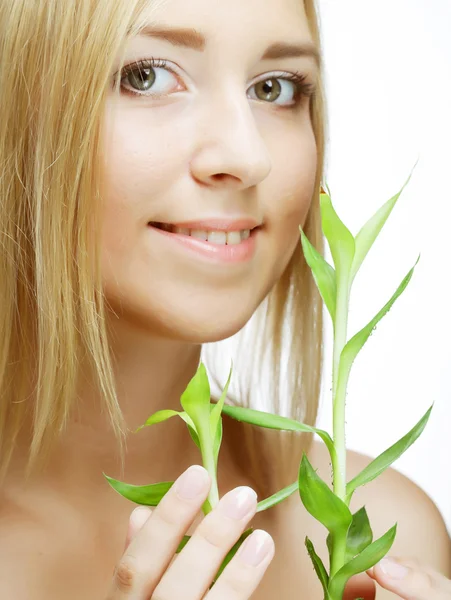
157	158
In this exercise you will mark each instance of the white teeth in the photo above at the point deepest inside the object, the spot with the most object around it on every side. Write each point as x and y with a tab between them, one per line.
231	238
217	237
199	234
234	238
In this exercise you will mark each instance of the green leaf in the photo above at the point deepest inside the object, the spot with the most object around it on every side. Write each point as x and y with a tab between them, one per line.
215	414
216	418
217	442
330	546
277	497
365	560
317	565
148	495
271	421
164	415
159	417
360	534
207	507
196	399
194	436
321	502
186	539
356	343
384	460
323	274
341	241
370	231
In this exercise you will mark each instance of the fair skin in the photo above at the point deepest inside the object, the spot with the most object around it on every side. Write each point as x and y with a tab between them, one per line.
211	149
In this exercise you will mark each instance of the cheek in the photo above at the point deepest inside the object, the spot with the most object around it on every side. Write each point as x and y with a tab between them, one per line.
138	168
295	185
140	161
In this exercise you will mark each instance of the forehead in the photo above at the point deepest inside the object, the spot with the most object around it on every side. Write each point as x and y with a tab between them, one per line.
234	19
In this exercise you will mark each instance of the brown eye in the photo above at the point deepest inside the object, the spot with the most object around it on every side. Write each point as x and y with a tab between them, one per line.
149	78
285	91
270	90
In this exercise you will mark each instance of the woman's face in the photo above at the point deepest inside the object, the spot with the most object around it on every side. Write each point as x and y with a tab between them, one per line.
220	134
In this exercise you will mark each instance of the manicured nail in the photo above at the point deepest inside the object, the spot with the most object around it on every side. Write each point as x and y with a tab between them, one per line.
139	516
393	569
256	548
238	503
192	483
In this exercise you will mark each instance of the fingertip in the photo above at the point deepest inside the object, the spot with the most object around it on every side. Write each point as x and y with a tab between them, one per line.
139	516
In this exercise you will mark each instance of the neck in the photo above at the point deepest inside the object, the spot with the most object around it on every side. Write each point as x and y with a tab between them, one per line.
151	374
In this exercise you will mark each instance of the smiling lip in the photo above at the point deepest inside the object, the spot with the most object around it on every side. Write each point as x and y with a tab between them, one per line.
214	253
216	224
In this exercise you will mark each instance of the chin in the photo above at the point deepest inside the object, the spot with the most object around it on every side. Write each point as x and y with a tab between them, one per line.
195	326
210	330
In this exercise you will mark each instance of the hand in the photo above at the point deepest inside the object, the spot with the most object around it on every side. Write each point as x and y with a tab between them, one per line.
412	582
147	570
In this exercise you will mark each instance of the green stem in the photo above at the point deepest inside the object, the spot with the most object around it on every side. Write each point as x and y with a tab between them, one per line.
339	402
208	462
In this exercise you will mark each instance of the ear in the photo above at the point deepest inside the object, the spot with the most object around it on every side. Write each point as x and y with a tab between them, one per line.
360	586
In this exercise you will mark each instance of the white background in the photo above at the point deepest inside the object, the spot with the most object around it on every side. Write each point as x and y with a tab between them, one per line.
388	75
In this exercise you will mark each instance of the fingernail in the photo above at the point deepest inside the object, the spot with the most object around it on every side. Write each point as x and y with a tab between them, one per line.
255	549
192	483
393	569
139	516
238	503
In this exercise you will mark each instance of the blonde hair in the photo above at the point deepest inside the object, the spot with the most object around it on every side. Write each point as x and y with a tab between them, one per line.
54	77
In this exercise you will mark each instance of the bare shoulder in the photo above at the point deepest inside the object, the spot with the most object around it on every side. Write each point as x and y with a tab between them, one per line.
22	546
39	553
394	498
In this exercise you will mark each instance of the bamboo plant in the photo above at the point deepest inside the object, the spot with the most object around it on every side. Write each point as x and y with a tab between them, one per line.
349	542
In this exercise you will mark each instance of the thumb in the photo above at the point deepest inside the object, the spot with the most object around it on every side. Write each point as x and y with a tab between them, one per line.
137	519
360	586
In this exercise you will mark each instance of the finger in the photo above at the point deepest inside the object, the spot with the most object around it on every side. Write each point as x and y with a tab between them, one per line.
137	519
360	586
410	581
202	557
152	549
245	571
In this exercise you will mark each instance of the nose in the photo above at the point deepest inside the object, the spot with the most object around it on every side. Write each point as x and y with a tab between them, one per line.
230	151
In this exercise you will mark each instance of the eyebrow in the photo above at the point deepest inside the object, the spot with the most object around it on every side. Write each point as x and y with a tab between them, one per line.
195	40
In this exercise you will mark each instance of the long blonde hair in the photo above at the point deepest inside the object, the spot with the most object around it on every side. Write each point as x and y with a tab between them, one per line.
55	67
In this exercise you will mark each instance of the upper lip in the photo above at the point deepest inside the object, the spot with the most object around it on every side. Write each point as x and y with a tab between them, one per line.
216	224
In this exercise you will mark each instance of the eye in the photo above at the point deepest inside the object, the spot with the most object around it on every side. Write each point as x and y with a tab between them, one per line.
147	75
294	85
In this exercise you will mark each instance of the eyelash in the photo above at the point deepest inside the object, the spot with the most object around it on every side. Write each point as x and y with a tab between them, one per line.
304	89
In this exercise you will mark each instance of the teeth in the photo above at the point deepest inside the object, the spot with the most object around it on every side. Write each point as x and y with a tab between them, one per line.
199	234
218	237
234	238
231	238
